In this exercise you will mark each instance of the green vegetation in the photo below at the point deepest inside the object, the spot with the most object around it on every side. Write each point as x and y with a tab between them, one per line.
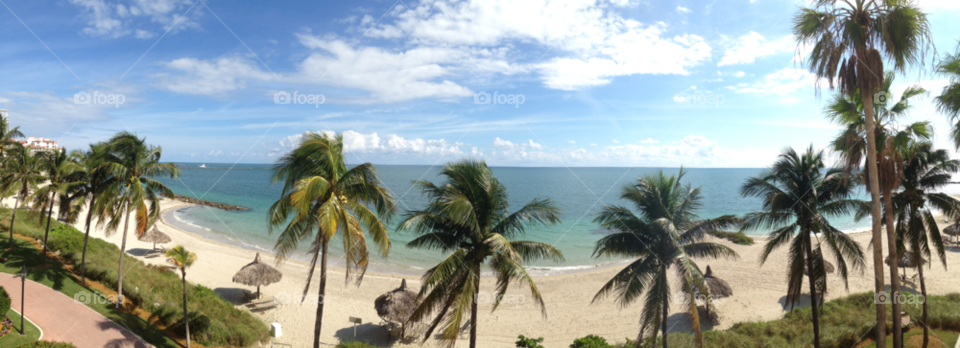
591	341
529	342
948	338
48	344
13	339
214	322
355	344
4	300
735	237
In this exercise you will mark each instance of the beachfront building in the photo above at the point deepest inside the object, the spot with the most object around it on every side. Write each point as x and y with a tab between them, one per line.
37	144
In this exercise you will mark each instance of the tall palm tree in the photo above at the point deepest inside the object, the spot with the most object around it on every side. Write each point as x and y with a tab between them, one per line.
850	40
7	135
925	172
891	141
666	233
58	169
320	194
21	173
90	182
133	164
469	217
948	102
798	197
182	259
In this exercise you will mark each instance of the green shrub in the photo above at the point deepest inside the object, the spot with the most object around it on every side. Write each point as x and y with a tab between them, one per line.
48	344
355	344
525	342
735	237
4	301
591	341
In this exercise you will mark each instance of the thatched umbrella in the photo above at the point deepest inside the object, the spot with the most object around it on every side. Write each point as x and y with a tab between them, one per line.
257	274
397	305
906	261
826	266
718	288
155	236
953	230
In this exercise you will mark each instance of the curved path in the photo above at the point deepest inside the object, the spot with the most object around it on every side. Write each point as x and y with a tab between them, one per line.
64	320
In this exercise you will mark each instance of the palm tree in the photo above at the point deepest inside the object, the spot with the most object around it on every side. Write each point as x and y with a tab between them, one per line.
798	197
925	172
891	142
21	173
90	183
667	233
58	169
182	259
469	217
7	134
849	41
133	163
948	102
320	194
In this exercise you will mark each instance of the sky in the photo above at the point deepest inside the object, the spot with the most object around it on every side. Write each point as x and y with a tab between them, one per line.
624	83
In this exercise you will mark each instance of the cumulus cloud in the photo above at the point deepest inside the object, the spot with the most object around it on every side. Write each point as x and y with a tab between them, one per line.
681	9
649	141
784	81
371	143
143	19
749	47
210	77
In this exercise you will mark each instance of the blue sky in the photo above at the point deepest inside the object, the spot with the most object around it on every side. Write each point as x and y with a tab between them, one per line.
602	83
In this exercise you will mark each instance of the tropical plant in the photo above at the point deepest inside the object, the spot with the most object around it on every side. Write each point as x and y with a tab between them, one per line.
7	135
529	342
132	164
891	140
590	341
798	198
58	170
21	173
182	259
468	216
90	182
925	172
320	194
666	233
948	102
848	41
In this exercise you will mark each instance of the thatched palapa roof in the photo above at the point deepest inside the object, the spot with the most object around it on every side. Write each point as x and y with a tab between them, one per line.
906	260
155	236
257	274
826	265
396	305
718	287
953	230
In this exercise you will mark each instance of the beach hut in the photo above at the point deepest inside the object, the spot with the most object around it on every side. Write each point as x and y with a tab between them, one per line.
397	305
953	230
155	236
257	274
718	287
906	261
826	265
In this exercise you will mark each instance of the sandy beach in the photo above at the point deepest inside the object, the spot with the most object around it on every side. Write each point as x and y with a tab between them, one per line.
758	294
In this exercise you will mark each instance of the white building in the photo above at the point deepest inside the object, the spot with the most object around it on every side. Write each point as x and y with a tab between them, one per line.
36	144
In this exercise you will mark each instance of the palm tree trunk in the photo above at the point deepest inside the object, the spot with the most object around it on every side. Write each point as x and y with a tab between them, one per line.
473	309
123	248
923	291
47	233
186	317
663	321
86	236
881	333
894	271
323	289
814	304
16	203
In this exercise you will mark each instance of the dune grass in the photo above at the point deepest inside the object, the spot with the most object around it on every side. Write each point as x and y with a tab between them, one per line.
949	339
14	339
214	321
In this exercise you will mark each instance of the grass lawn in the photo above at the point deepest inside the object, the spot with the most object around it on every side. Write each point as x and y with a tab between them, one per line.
13	339
62	280
916	337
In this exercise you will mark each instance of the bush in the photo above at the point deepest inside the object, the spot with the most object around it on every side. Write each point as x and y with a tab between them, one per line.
355	344
735	237
48	344
591	341
524	342
4	301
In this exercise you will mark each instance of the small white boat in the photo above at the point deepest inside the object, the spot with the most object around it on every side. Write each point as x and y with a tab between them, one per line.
203	166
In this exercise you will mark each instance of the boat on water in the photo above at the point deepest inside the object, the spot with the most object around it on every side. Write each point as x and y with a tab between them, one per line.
203	166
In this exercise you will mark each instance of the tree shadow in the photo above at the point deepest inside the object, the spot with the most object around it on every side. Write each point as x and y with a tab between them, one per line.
141	252
367	332
129	340
680	322
23	254
237	296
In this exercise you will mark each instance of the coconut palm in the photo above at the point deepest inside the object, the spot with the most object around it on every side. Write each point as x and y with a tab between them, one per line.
848	110
58	169
948	102
849	40
798	197
925	172
21	173
7	135
665	234
320	194
133	164
182	259
469	217
90	183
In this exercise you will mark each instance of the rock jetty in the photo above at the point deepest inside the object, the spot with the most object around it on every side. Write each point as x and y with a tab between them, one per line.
192	200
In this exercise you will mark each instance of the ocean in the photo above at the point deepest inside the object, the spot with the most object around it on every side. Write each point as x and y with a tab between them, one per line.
579	193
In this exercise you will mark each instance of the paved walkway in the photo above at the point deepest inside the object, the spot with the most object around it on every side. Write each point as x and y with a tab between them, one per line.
64	320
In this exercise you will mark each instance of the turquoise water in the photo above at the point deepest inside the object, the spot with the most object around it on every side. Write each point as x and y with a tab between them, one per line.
579	192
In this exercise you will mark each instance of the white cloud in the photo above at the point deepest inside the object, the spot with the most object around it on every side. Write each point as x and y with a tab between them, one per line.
392	144
784	81
751	46
142	18
210	78
938	4
740	74
593	144
616	141
649	141
681	9
572	141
